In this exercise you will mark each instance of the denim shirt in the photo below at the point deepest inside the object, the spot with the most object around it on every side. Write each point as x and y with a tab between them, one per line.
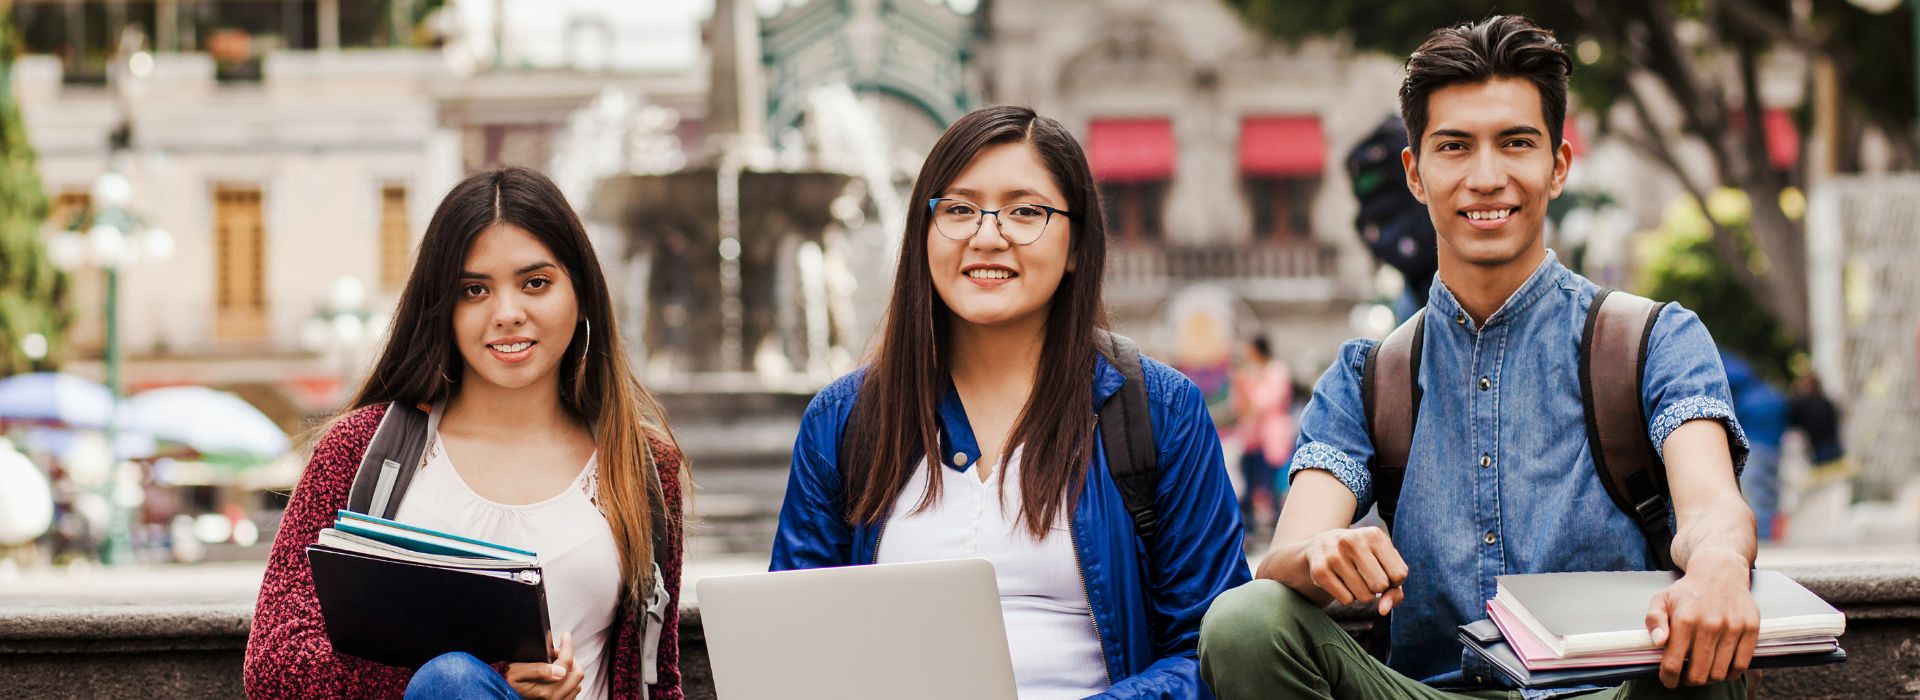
1500	479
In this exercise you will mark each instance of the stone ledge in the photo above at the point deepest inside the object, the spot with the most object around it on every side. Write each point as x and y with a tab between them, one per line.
196	650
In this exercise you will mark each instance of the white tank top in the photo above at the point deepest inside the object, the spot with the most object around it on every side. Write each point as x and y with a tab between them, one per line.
577	552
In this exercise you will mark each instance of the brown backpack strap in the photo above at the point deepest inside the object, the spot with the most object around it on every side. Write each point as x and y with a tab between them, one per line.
1390	388
1613	354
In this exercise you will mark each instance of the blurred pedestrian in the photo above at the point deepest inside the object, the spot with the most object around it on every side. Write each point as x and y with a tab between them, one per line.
1814	415
1263	406
1762	410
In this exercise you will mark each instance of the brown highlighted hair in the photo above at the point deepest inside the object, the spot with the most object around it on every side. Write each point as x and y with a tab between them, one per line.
1508	46
896	418
421	365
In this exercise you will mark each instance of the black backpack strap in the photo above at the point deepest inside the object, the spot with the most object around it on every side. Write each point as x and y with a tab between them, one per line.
1613	353
391	459
1127	438
1390	390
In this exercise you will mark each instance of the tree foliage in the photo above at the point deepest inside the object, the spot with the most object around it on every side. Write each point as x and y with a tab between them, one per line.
1677	263
32	290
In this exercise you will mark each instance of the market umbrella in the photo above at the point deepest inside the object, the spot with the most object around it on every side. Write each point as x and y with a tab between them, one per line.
221	427
26	500
61	442
55	398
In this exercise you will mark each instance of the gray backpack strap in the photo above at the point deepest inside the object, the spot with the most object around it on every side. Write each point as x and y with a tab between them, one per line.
1390	390
653	613
654	619
387	467
1126	436
1613	359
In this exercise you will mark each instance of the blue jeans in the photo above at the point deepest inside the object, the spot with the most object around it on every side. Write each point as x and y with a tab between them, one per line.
457	675
1260	478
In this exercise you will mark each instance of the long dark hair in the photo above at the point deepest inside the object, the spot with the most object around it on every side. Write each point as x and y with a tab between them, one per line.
897	412
421	365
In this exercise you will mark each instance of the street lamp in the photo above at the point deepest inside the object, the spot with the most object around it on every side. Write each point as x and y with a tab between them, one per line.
115	238
345	328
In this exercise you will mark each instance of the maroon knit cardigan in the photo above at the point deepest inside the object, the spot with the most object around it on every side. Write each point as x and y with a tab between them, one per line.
288	653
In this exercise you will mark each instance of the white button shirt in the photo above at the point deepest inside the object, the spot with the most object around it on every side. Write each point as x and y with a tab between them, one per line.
1042	597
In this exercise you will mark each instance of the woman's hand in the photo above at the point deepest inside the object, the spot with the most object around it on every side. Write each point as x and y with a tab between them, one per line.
559	680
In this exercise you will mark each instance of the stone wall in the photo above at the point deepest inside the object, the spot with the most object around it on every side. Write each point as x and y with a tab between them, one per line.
196	651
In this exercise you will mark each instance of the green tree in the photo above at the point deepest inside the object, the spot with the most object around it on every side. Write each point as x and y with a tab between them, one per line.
1669	49
1677	263
32	291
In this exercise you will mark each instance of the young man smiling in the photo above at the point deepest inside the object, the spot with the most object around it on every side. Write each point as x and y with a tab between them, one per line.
1499	479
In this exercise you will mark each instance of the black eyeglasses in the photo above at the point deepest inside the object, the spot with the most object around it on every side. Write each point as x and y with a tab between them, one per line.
1022	223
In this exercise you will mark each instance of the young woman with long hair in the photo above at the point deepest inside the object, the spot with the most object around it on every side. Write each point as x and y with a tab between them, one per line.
974	422
545	441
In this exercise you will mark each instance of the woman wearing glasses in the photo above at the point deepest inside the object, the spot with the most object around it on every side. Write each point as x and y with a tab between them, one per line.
990	361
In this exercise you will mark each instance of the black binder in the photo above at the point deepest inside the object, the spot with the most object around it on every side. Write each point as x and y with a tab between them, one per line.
1483	638
404	614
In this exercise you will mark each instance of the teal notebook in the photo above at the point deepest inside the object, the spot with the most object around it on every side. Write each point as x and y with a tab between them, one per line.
427	541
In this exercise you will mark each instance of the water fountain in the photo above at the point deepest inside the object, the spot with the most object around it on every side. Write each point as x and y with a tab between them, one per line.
733	315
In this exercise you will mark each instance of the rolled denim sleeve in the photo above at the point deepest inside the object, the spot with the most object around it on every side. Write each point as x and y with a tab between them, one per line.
1684	381
1333	427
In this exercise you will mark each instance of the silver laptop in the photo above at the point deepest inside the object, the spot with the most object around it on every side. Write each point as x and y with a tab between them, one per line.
920	630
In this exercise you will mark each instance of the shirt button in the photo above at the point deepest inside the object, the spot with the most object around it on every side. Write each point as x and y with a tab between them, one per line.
1485	384
959	459
1460	319
1486	460
1490	538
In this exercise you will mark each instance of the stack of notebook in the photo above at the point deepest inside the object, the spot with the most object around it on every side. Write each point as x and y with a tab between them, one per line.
1553	630
401	595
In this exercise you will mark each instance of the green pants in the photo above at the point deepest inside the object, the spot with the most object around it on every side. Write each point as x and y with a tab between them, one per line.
1263	640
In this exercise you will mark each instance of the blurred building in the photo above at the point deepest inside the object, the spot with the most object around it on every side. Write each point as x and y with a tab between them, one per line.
295	151
285	146
1218	152
291	145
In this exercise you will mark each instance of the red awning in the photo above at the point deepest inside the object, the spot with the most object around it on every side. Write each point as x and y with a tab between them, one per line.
1288	146
1783	139
1130	150
1570	134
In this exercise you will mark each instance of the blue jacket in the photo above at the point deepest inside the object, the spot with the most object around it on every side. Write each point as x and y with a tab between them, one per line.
1146	601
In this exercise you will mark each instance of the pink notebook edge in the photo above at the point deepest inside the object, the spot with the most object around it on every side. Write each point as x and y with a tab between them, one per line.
1537	657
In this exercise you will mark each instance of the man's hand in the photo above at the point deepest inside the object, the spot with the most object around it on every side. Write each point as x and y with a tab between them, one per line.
559	680
1357	566
1707	621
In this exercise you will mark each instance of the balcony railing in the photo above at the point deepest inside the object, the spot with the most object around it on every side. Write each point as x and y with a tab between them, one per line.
1299	271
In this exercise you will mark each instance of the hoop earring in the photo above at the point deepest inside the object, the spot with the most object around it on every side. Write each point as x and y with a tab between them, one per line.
586	344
